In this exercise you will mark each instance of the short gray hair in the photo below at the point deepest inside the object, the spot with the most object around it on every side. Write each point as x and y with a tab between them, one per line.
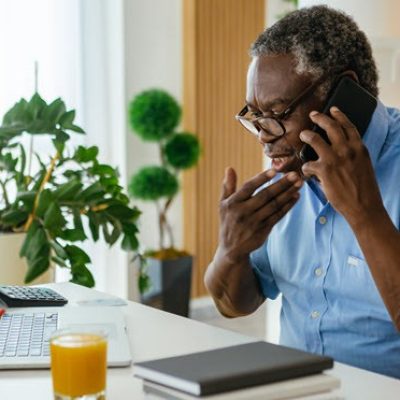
322	40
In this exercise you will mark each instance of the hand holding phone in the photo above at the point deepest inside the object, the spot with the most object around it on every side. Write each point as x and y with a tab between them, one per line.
354	101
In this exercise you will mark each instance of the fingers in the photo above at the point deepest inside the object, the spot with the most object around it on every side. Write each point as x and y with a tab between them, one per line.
229	183
321	147
343	135
332	128
279	202
272	219
349	128
311	168
284	184
248	189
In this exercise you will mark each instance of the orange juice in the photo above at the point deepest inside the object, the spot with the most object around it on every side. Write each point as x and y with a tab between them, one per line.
78	364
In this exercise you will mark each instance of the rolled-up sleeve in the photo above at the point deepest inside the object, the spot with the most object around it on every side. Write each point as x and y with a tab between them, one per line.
260	263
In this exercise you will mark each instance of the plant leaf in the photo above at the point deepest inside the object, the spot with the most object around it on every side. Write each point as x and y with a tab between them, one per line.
106	232
7	162
60	140
18	115
91	192
121	212
28	238
9	132
94	224
103	169
36	268
27	198
77	255
35	244
67	119
82	276
37	254
45	199
54	221
72	235
54	111
14	217
22	163
129	243
67	191
59	261
35	106
76	128
86	154
59	250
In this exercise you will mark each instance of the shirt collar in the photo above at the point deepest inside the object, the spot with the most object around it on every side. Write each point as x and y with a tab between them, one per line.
374	139
377	132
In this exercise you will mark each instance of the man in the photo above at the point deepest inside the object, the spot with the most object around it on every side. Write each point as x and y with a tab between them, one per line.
324	234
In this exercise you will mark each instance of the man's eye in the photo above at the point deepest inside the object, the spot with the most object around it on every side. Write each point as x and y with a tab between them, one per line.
271	113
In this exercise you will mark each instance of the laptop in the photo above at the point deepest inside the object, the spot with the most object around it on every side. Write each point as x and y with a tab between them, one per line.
25	334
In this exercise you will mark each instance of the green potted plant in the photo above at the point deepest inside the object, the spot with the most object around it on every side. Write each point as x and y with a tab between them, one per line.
70	196
165	280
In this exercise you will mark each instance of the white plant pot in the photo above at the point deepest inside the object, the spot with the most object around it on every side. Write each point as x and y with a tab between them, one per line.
12	267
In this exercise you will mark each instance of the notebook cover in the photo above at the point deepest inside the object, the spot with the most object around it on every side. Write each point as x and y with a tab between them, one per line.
231	368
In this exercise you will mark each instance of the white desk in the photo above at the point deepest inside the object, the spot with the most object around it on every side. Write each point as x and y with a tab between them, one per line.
154	334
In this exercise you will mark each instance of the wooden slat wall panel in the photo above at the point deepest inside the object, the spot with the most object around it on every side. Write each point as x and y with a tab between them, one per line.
217	36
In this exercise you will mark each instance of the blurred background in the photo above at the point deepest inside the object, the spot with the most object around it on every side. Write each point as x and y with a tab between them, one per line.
99	54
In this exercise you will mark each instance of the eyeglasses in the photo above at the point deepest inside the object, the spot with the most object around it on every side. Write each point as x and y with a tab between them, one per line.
273	125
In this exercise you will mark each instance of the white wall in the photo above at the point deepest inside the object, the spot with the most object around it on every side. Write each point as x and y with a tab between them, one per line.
375	18
104	119
153	58
274	9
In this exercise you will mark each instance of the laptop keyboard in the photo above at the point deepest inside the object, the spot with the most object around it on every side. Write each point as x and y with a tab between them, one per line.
26	334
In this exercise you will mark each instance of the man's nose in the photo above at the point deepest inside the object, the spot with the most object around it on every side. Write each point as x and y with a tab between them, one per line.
265	137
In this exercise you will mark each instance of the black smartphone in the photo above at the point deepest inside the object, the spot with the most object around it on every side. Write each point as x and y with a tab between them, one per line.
354	101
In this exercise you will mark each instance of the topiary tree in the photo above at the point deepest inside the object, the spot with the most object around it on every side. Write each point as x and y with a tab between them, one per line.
154	116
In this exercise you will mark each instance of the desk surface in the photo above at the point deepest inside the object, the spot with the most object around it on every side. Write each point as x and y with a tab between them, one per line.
154	334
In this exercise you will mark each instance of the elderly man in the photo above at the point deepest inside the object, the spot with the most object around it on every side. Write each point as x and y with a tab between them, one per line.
325	233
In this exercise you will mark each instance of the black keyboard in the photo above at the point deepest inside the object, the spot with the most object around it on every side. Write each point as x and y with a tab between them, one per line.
25	296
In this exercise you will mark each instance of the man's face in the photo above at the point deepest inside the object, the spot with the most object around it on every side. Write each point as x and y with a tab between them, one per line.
272	84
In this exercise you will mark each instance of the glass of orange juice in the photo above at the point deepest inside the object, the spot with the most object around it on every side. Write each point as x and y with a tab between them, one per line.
79	364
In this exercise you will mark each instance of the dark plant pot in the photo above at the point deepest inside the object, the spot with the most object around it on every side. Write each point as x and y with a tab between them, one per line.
170	284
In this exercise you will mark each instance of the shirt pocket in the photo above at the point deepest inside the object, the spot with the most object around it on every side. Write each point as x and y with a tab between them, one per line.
360	281
366	312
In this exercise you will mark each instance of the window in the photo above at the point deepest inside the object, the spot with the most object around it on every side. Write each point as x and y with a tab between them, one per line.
46	32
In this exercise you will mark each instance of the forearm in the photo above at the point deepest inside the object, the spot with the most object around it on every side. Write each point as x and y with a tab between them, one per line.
247	217
380	243
233	286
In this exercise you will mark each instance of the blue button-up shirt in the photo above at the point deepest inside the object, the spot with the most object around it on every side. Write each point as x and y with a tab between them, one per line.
330	304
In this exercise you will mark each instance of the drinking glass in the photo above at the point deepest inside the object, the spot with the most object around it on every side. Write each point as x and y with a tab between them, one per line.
79	364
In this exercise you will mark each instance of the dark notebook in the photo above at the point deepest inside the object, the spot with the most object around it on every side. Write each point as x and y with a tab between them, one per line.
231	368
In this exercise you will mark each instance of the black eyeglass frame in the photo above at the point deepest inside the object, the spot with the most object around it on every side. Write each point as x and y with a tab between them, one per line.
279	117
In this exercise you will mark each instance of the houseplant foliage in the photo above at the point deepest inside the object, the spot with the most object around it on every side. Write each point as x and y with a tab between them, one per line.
154	117
52	204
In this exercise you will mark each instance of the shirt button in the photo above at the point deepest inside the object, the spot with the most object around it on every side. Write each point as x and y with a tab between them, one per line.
315	314
322	220
318	272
